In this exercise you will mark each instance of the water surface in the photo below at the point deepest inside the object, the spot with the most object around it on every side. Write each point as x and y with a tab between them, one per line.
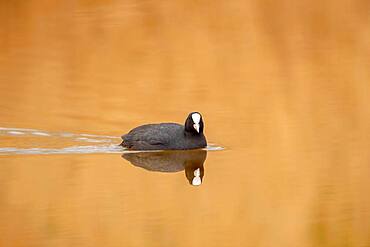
283	87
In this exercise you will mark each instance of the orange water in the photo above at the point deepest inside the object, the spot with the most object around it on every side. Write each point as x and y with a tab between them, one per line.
283	86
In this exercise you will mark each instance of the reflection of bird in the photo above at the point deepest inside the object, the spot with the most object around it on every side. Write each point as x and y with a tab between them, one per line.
172	161
167	136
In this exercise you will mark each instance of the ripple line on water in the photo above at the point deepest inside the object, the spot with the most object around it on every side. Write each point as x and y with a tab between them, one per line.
66	150
111	145
107	149
39	133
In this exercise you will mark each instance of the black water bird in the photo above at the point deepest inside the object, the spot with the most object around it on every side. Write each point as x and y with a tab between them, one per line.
167	136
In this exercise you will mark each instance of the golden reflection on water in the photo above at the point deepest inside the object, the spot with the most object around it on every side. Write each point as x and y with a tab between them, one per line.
284	86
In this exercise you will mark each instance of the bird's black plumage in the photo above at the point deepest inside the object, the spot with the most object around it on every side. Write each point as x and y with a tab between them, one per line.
167	136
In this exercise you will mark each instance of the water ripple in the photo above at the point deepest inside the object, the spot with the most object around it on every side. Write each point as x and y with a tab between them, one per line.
109	144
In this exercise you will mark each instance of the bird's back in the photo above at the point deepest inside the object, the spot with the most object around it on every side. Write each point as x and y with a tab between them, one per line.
153	136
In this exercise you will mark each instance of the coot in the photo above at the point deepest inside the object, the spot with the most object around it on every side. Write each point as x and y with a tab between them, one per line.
167	136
